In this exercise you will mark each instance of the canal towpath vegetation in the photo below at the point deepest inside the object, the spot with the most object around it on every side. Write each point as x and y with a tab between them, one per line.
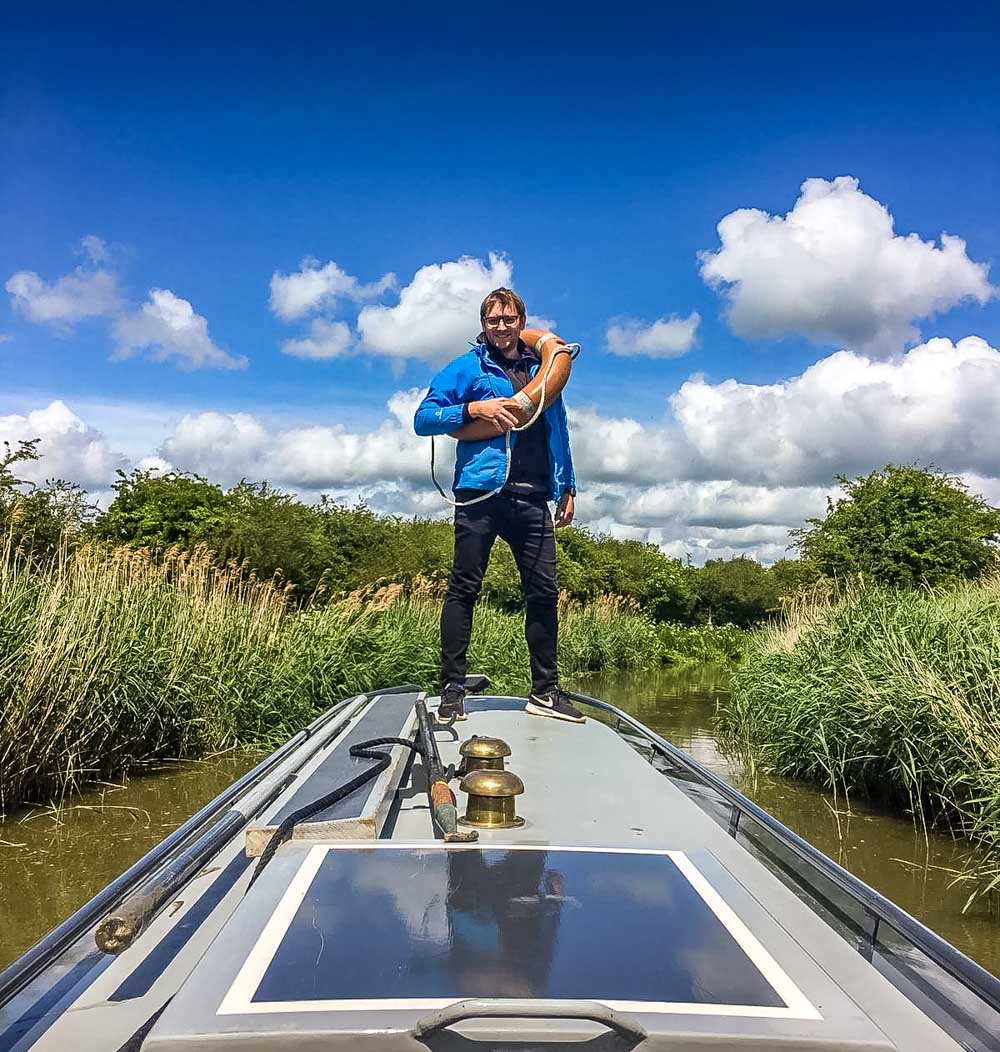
884	694
882	679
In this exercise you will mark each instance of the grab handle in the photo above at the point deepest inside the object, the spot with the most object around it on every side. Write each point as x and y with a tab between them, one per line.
540	1008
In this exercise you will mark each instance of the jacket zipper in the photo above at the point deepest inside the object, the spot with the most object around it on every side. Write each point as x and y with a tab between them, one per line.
491	367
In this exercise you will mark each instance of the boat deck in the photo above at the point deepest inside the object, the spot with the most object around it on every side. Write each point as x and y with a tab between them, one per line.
617	889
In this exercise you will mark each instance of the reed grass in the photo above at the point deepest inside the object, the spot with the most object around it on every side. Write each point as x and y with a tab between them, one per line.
893	694
110	659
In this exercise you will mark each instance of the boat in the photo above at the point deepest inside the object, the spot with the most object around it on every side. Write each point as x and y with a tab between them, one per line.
587	885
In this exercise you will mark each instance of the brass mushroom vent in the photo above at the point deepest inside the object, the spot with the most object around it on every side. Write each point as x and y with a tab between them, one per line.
491	799
481	753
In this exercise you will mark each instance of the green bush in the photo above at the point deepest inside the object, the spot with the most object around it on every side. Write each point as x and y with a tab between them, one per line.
903	526
700	644
37	520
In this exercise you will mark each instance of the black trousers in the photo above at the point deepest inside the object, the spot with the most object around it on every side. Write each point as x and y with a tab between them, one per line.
525	524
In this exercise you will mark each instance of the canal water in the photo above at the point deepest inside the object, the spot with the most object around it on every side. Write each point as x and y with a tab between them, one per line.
52	860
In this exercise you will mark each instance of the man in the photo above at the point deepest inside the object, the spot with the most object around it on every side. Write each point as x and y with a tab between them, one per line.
480	386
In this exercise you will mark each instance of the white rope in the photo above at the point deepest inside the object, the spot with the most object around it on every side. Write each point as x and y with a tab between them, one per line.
572	349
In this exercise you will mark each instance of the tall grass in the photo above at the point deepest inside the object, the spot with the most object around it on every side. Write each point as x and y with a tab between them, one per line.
895	694
110	659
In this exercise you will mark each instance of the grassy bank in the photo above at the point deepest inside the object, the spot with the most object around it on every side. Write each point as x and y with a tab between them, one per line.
110	659
894	694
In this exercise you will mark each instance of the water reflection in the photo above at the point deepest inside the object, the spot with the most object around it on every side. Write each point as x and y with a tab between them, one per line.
54	859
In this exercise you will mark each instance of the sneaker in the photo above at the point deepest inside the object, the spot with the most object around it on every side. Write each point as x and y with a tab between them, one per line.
554	704
452	702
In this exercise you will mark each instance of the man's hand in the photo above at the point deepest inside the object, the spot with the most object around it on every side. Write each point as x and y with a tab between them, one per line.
501	413
565	509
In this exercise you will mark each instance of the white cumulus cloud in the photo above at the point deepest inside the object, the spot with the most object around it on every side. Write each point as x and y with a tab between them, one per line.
170	329
714	508
314	287
701	520
437	313
230	446
732	466
667	338
536	321
88	291
155	464
326	339
69	448
848	413
834	270
618	449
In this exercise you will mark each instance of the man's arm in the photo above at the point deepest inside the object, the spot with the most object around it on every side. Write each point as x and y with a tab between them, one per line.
566	508
488	418
498	414
442	409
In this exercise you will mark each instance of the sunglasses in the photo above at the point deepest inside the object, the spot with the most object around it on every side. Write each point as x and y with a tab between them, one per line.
510	320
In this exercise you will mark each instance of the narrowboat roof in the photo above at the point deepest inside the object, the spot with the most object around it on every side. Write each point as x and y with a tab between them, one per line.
618	902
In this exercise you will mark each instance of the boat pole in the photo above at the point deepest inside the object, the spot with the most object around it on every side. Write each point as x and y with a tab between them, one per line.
122	925
442	799
17	975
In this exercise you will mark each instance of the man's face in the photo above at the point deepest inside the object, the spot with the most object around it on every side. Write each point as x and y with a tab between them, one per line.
503	327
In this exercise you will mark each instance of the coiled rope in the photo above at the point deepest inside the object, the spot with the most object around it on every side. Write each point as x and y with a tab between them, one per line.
572	349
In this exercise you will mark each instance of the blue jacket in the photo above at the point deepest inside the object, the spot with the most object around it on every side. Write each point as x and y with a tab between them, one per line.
475	377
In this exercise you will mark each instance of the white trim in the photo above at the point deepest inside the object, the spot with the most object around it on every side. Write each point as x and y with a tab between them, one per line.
799	1006
416	1004
492	845
239	998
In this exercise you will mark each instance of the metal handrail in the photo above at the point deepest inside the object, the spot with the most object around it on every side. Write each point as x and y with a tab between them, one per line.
524	1008
961	968
16	976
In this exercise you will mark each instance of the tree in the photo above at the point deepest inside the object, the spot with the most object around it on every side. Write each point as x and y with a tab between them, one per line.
905	526
589	565
39	519
662	585
273	532
791	576
157	510
26	450
734	591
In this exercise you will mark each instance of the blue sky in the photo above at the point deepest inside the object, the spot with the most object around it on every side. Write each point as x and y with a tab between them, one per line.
594	151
